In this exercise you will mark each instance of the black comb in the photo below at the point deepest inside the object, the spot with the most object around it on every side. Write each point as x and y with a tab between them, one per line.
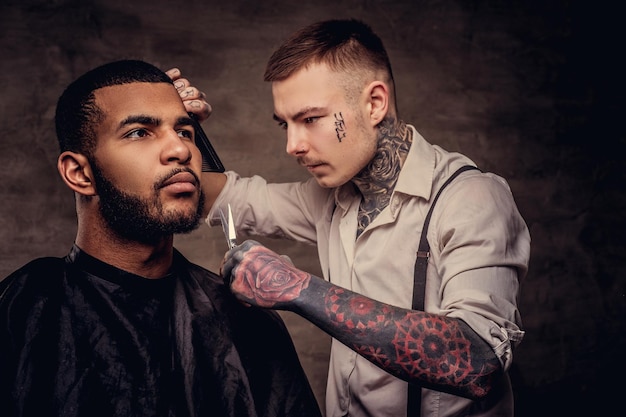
210	161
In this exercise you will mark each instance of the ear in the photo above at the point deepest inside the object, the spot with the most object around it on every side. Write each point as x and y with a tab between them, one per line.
76	172
378	101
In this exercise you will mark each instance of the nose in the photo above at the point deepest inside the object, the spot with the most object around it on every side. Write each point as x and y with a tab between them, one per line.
297	144
175	149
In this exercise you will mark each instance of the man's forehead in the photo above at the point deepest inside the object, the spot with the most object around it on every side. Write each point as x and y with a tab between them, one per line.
154	101
138	93
311	88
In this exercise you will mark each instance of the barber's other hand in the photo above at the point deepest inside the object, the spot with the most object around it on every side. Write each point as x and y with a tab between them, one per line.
193	99
262	278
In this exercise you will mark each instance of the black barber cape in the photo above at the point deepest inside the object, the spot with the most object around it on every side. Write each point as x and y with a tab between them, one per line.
79	337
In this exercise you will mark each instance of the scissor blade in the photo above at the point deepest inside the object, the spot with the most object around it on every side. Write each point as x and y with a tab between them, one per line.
232	235
225	227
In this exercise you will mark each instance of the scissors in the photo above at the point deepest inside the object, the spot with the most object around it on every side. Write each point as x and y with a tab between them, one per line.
229	227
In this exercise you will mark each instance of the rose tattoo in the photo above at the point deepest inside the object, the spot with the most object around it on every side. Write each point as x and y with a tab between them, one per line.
266	280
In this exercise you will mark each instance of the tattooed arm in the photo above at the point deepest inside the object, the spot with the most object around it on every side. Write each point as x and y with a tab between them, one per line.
437	352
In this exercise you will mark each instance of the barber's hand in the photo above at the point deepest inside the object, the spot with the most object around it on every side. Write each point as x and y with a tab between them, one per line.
193	99
260	277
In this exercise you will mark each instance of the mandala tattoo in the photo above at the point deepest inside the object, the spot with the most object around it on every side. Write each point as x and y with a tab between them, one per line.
432	348
409	344
373	354
354	314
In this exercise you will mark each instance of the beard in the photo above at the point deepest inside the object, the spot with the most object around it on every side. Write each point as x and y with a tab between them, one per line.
143	219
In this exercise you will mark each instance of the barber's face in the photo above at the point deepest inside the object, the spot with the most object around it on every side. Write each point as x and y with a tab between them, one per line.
328	134
146	167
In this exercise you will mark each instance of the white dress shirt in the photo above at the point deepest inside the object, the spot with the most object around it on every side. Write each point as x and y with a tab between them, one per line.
480	248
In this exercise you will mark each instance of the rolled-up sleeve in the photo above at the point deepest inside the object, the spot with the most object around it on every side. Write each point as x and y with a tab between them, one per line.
483	253
279	210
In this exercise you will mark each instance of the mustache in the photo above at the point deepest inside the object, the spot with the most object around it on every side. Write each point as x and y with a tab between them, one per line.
305	161
163	180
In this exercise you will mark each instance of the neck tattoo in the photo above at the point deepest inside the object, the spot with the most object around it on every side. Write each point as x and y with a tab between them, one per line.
378	179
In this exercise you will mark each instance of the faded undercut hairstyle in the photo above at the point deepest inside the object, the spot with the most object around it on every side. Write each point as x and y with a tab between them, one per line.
348	46
77	113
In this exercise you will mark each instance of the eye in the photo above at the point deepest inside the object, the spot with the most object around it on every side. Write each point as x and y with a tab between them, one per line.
282	125
187	134
137	134
310	120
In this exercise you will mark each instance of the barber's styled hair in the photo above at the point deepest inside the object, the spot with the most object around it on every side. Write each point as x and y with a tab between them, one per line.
77	113
344	45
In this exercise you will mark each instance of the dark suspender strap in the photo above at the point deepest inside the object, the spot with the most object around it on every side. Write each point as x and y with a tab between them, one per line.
423	250
414	402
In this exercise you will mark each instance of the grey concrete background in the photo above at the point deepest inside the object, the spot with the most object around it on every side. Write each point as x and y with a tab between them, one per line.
531	90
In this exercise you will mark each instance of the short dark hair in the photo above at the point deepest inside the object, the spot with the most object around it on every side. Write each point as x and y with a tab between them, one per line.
344	45
77	112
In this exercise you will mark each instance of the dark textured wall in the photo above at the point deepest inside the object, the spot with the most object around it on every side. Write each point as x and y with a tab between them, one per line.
531	90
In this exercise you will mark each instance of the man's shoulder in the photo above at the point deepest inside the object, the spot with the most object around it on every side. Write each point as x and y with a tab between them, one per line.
37	277
38	280
38	267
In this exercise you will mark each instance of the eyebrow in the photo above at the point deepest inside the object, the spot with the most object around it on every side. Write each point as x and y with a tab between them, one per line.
302	113
139	119
184	121
153	121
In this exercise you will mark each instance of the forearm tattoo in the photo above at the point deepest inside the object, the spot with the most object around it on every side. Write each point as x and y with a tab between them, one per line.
412	345
437	352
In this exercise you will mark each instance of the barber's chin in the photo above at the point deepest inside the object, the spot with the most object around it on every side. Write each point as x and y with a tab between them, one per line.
326	181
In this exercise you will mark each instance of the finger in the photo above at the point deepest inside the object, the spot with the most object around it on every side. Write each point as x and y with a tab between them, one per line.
287	259
173	73
189	93
201	109
227	266
233	258
181	84
249	244
221	268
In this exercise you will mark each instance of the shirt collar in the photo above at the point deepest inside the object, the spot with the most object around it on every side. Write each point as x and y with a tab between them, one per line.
344	195
103	270
416	176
